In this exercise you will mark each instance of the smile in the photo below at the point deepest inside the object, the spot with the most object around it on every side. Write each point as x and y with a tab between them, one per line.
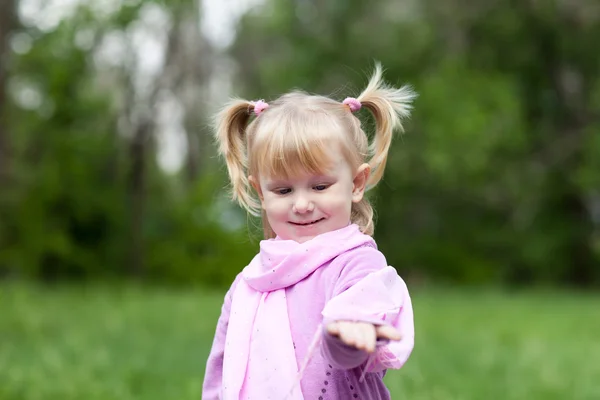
307	223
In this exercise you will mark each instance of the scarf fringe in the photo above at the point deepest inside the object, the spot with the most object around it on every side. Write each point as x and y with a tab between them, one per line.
316	340
367	366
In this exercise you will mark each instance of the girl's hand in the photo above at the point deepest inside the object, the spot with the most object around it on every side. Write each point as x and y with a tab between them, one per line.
362	335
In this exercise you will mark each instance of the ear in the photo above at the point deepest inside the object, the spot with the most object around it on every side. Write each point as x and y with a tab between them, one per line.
256	185
360	182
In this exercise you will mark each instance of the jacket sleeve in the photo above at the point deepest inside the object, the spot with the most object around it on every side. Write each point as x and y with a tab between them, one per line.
212	386
369	291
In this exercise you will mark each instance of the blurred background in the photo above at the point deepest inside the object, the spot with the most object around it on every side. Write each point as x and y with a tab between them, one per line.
118	239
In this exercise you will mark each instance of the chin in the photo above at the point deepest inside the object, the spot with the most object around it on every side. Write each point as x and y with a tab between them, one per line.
302	239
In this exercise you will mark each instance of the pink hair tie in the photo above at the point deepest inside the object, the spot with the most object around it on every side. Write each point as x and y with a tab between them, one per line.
352	103
259	107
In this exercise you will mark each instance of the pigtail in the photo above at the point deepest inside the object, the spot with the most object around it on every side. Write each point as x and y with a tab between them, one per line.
231	124
362	215
389	106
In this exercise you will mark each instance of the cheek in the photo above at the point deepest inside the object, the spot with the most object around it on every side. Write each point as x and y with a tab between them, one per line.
339	202
275	207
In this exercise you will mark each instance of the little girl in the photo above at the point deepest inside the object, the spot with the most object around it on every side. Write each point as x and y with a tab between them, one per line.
318	313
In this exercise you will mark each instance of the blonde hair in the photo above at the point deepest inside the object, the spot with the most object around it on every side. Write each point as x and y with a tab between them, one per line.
295	133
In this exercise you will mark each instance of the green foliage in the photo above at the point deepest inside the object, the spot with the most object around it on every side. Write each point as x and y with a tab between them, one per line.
63	156
188	242
68	214
496	180
94	342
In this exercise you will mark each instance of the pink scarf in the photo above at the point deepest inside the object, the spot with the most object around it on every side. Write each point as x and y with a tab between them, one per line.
259	353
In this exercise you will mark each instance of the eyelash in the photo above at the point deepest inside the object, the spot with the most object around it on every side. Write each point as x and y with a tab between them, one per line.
283	192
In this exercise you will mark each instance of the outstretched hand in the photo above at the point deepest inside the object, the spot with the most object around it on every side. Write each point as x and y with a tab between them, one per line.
362	335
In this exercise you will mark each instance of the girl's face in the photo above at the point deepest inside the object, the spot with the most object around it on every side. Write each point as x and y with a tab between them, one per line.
302	207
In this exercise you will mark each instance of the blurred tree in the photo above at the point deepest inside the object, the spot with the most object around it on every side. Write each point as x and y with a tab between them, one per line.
7	24
88	108
498	179
487	187
555	66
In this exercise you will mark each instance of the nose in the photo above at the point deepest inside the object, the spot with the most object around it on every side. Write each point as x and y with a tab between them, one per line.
302	204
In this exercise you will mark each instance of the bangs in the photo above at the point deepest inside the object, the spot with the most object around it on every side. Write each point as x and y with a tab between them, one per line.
293	146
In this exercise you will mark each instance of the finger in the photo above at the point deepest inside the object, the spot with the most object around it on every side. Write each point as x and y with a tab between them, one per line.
364	336
359	335
358	332
347	335
388	332
370	336
333	329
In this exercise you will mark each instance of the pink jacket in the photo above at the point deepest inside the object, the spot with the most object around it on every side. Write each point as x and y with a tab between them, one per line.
270	341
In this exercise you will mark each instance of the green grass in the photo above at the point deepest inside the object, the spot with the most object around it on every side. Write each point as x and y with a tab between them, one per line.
133	343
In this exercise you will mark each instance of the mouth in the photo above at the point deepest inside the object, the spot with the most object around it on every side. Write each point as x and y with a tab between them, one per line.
307	223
